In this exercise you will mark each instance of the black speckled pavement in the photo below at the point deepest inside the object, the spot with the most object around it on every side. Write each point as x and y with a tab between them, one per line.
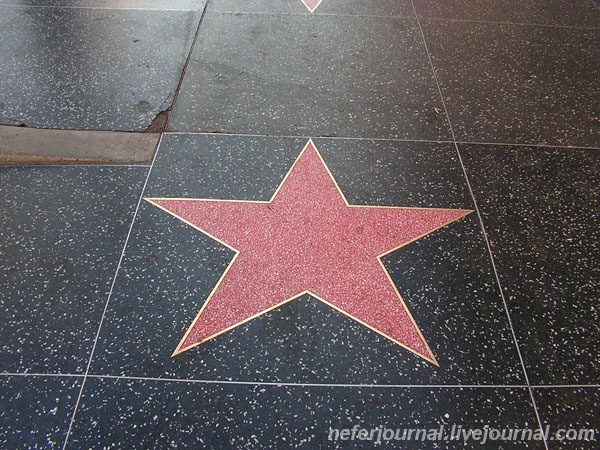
367	224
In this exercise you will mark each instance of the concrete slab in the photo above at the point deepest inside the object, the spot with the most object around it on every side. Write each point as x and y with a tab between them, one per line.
20	145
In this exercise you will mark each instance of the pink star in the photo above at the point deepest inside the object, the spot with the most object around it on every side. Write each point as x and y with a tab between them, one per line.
312	4
307	240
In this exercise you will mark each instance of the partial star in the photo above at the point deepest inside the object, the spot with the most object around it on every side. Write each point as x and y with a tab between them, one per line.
311	4
307	240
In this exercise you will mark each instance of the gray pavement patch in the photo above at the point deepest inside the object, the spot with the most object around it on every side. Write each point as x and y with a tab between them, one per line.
21	145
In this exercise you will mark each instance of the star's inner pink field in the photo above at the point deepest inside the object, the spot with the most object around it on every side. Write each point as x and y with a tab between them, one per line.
311	4
308	239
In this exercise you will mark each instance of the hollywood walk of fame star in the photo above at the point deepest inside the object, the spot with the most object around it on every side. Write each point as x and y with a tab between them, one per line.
307	240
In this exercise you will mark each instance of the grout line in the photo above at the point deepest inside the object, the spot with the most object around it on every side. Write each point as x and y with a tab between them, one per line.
295	384
485	235
374	16
308	14
300	136
551	146
109	296
431	141
509	23
41	375
185	67
312	385
566	386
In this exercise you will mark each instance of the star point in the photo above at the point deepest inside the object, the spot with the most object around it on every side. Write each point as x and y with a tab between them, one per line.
312	4
307	239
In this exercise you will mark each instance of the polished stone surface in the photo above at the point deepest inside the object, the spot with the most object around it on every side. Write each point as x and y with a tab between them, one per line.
574	13
95	69
541	209
571	408
62	231
36	410
192	415
518	84
98	286
307	76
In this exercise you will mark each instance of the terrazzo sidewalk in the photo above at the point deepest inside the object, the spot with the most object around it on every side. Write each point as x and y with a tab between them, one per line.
316	223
